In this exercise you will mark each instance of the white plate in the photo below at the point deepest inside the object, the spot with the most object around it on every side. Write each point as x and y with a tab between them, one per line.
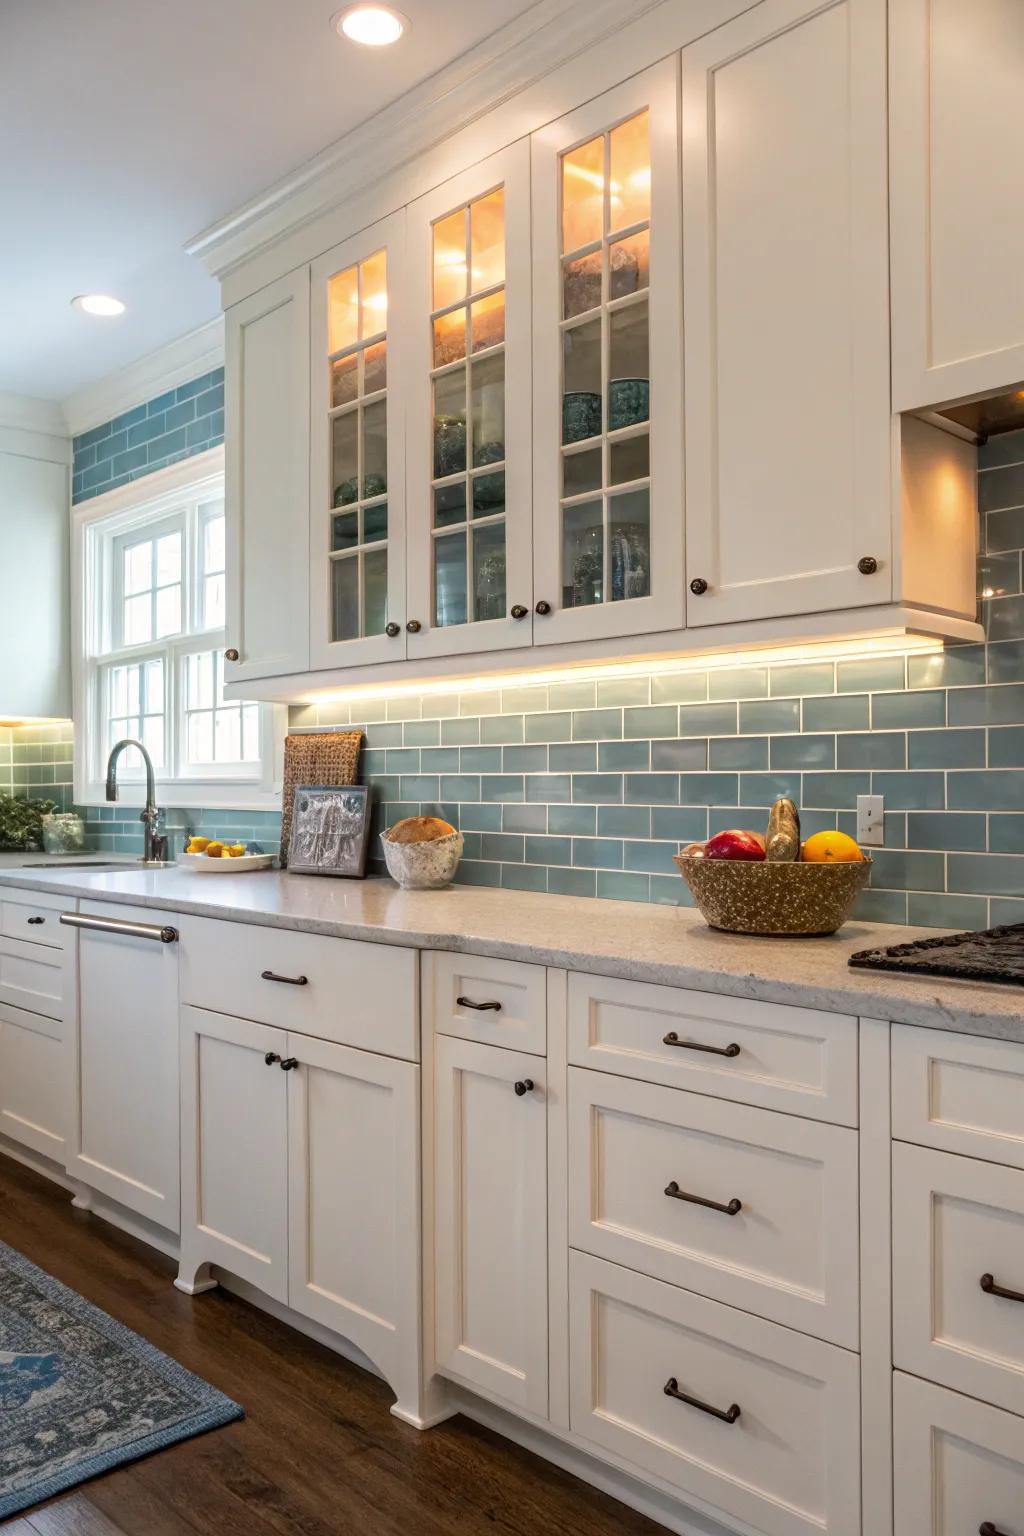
204	865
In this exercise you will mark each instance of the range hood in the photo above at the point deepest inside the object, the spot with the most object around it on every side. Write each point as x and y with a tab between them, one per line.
978	420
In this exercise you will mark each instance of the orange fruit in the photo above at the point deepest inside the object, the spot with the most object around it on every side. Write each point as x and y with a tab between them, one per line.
830	848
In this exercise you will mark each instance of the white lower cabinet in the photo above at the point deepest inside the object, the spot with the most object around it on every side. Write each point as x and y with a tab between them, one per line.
750	1418
122	1021
300	1174
33	1104
490	1213
959	1464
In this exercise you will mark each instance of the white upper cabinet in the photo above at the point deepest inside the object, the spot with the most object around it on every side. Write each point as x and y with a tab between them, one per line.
607	512
357	452
266	438
468	447
788	478
957	198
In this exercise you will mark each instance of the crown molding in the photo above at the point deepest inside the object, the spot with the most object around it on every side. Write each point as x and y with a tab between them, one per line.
20	413
149	376
550	34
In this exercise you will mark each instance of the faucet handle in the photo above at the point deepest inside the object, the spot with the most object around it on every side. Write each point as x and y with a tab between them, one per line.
159	847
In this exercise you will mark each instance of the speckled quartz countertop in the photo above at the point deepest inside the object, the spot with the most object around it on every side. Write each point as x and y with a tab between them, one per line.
671	945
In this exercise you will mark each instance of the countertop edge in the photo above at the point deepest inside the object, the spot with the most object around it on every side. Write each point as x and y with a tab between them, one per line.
861	1000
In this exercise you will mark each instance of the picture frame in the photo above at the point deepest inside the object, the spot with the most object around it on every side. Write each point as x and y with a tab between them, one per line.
330	832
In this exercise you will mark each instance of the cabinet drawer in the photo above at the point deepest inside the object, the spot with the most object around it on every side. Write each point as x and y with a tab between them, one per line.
366	995
34	917
960	1093
498	1002
954	1221
790	1461
788	1253
959	1464
30	977
32	1087
794	1059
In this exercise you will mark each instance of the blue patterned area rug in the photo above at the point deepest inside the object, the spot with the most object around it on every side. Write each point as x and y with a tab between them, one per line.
80	1393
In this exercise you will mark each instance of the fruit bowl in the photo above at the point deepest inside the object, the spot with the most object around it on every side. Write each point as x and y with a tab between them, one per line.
741	896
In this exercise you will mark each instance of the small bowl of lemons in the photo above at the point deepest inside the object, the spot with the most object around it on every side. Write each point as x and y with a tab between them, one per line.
211	855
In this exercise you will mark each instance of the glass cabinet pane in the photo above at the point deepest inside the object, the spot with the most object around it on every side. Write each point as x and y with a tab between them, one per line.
606	373
469	412
357	310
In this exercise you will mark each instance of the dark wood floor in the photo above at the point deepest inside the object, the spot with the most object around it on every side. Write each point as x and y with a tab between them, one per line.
318	1453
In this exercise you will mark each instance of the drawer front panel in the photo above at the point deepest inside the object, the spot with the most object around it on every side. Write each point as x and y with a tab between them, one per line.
789	1252
498	1002
956	1222
364	995
959	1464
30	977
35	919
959	1093
788	1463
794	1059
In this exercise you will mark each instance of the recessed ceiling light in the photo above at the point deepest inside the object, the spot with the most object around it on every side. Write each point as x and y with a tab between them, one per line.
375	26
98	304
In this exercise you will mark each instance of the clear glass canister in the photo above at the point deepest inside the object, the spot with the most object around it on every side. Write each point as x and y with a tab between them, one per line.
63	832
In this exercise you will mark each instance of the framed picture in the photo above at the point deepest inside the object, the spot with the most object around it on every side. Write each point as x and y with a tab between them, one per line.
330	830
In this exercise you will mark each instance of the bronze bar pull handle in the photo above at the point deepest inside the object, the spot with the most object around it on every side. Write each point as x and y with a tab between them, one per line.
291	981
989	1286
692	1045
727	1415
732	1209
464	1002
986	1528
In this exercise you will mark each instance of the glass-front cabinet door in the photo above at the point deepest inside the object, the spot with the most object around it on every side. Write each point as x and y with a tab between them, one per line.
357	491
468	451
608	482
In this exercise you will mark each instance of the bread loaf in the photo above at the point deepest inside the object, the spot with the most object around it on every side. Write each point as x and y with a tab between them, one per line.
782	845
419	829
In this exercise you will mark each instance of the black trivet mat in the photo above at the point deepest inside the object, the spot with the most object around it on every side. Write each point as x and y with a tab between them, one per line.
995	954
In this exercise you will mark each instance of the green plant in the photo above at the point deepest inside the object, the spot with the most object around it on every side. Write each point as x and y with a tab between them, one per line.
21	822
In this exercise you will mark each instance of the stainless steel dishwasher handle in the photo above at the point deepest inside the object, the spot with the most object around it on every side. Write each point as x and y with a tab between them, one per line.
161	933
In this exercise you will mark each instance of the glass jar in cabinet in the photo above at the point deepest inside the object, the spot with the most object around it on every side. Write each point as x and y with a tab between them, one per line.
357	490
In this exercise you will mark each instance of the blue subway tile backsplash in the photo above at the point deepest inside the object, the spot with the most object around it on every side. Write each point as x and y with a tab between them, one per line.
173	426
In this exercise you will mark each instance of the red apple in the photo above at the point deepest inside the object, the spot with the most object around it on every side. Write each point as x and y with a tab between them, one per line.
735	845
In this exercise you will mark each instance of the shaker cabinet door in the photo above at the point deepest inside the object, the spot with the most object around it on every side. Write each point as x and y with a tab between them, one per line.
490	1235
266	346
357	455
786	340
608	485
468	448
957	195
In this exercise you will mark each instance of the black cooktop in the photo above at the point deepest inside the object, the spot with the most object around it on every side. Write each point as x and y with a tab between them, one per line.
996	954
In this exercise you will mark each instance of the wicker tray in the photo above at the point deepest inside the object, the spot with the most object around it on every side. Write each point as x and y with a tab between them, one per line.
762	898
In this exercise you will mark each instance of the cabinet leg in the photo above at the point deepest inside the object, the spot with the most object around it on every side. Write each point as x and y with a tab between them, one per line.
81	1200
194	1278
425	1405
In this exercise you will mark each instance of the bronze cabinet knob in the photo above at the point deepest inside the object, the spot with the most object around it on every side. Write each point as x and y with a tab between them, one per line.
543	608
867	565
698	586
518	611
392	629
231	655
414	626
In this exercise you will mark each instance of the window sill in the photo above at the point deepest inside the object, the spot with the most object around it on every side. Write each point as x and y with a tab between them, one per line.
211	795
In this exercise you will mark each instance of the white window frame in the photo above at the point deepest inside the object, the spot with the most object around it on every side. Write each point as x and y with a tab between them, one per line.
95	589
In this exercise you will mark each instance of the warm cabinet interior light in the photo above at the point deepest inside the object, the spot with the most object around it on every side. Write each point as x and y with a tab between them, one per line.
98	304
375	26
832	650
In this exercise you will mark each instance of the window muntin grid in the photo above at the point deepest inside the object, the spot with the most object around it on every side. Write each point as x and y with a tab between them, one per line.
605	224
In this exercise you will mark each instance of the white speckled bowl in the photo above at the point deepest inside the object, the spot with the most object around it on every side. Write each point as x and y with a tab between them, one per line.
423	866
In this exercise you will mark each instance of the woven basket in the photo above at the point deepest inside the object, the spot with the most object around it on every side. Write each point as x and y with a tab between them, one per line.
316	757
742	896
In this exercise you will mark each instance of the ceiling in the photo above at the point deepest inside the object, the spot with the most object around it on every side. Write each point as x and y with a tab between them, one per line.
127	127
